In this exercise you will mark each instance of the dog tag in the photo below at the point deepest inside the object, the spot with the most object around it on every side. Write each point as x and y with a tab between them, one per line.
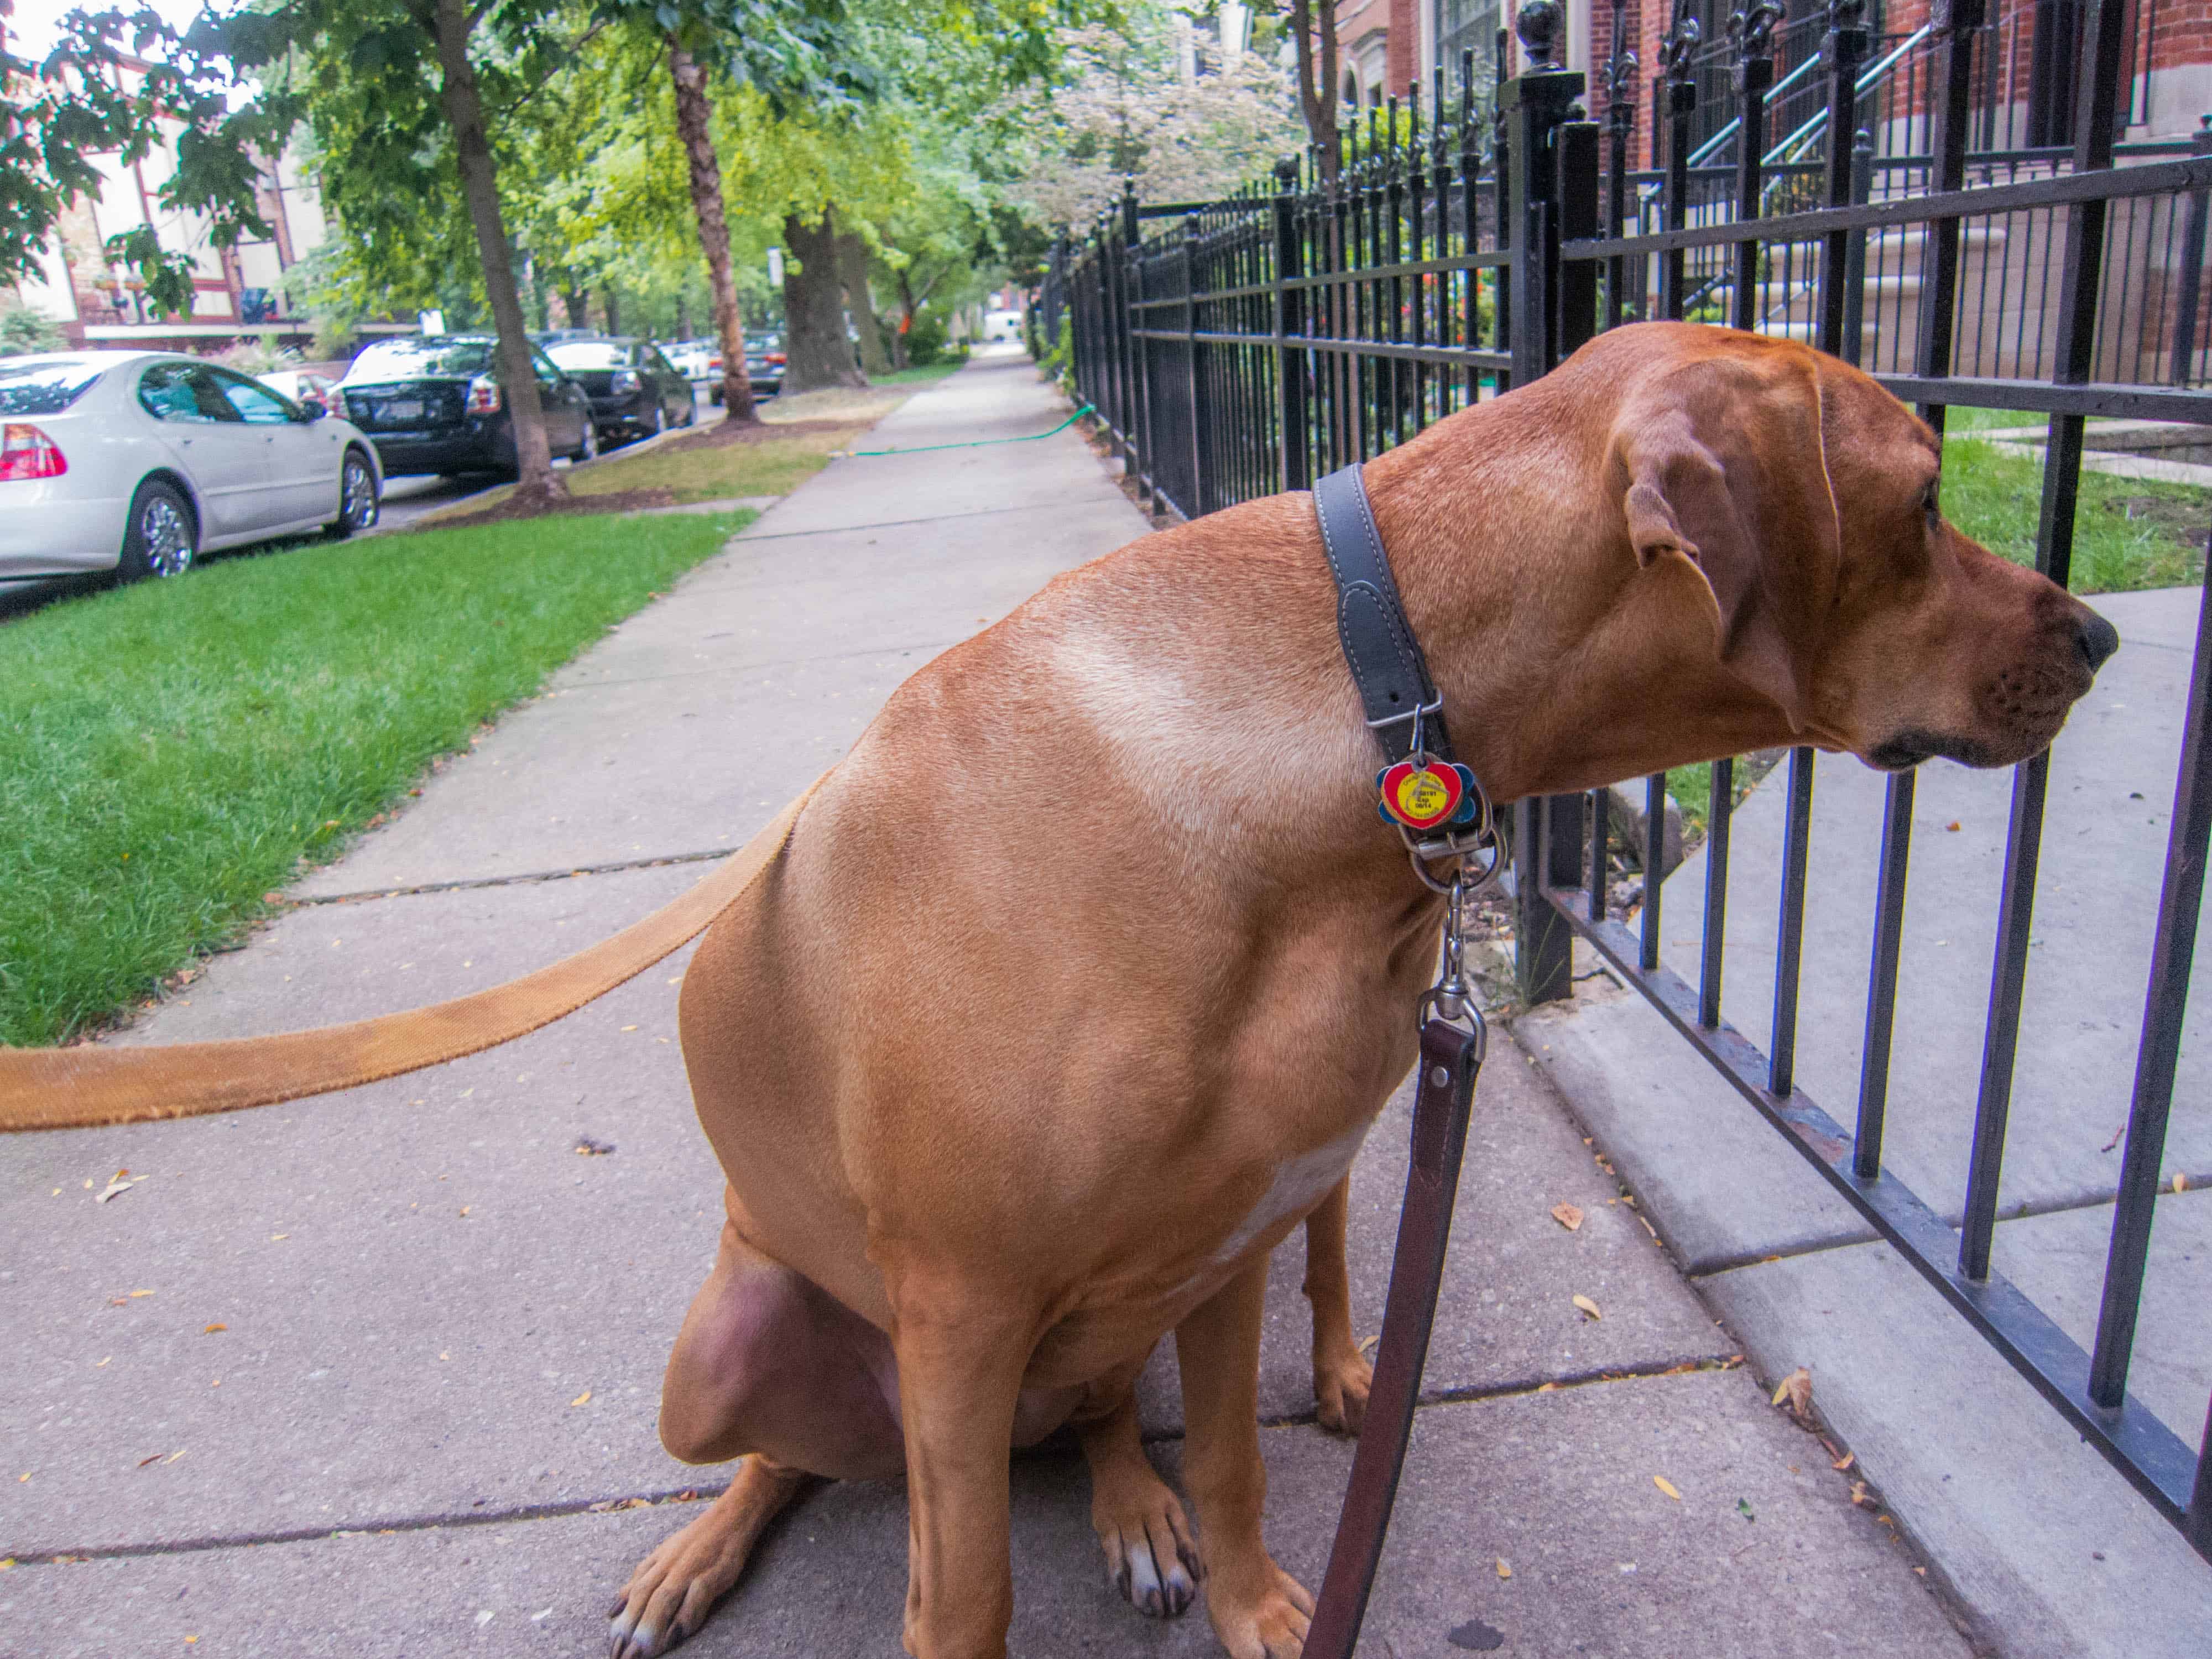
1421	792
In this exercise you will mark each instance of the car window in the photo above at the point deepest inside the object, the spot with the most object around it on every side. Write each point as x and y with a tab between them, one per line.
183	393
583	355
256	404
653	360
43	387
406	359
547	373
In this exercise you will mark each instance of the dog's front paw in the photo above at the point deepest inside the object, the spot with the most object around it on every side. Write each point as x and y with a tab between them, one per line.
1341	1381
1261	1615
1151	1555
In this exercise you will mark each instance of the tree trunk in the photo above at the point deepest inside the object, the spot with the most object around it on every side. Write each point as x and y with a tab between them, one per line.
818	355
853	262
575	300
518	374
694	125
1318	102
539	296
608	304
682	317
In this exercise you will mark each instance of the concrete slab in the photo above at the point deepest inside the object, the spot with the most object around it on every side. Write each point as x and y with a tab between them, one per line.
1557	1484
1506	1317
416	1278
2104	849
2053	1551
692	721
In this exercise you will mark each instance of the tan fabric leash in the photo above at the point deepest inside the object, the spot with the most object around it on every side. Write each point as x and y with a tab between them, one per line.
92	1086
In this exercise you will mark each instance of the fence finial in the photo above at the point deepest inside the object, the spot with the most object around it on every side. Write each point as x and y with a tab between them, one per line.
1538	27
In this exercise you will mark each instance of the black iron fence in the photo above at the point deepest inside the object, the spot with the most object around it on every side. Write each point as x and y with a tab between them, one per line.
1238	348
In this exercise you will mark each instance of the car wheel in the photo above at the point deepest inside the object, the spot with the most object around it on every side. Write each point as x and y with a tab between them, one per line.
358	502
161	535
589	450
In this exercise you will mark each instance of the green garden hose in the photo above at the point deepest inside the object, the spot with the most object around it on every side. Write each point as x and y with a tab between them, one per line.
973	443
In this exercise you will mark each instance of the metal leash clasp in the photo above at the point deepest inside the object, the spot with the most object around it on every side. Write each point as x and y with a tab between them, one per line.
1451	999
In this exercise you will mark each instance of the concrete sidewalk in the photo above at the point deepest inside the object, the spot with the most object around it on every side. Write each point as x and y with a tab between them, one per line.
2044	1540
377	1373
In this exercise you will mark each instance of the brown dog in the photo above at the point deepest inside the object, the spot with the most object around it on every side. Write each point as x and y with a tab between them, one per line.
1086	973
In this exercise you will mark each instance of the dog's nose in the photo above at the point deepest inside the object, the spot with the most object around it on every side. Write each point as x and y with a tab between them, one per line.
2095	639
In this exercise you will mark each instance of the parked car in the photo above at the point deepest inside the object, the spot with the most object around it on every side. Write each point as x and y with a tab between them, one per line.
140	461
695	360
635	392
764	361
301	385
432	404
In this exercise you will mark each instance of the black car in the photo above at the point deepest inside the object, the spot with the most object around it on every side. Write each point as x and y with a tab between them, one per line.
432	404
764	361
634	390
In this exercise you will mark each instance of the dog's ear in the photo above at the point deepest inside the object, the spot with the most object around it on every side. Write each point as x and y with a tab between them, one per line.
1726	470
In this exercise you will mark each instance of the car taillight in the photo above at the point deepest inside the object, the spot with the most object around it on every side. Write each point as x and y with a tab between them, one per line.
625	381
714	365
776	359
27	452
483	396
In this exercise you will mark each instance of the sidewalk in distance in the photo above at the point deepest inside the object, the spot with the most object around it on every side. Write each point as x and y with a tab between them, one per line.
2047	1543
426	1423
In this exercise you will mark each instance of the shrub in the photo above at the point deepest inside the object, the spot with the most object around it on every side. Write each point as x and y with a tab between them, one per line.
23	331
924	342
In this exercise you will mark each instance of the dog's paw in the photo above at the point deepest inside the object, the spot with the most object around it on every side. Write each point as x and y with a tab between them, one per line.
675	1588
1264	1617
1151	1556
1341	1388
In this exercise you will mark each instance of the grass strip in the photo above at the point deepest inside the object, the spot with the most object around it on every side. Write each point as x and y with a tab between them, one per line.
172	752
2129	533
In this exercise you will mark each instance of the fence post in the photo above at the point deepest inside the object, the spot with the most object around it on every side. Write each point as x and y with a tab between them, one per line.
1192	393
1290	323
1678	53
2192	263
1753	33
1854	258
1620	125
1844	48
1536	104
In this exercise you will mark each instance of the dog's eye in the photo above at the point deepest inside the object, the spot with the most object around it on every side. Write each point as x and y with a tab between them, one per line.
1930	504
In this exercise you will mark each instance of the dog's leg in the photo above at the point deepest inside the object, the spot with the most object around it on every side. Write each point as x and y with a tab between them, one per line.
1151	1554
962	1350
770	1365
1341	1374
673	1589
1259	1611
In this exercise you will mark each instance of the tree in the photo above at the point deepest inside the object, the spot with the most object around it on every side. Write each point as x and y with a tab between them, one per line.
1126	112
129	84
1317	93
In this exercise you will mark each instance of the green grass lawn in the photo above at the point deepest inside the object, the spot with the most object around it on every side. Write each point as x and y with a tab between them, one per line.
171	752
919	376
2129	533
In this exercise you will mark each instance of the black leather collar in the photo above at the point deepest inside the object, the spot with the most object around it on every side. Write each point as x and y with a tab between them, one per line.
1379	647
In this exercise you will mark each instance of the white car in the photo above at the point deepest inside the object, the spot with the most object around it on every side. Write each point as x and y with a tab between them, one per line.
140	461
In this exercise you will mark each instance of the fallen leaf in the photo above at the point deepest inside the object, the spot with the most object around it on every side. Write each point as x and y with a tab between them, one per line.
444	1356
1859	1495
583	1399
1844	1462
116	1187
20	1478
629	1028
1367	1345
278	1238
2180	1181
210	1330
143	1461
1794	1395
189	1640
465	1208
1667	1486
587	1147
135	1294
1547	1388
97	1363
1952	826
172	1457
1588	1307
1567	1216
1743	1508
1505	1568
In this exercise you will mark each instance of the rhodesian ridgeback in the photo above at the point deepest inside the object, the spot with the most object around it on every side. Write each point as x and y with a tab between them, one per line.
1082	976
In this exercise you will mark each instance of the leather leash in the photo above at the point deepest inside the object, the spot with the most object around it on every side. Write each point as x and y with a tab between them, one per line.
1406	713
92	1086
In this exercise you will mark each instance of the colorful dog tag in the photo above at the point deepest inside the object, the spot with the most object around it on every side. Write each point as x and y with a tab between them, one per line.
1421	792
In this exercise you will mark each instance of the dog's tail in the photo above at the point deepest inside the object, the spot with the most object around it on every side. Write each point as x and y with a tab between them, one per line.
89	1086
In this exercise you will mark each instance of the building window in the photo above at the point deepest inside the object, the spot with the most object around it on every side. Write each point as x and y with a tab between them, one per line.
1465	25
